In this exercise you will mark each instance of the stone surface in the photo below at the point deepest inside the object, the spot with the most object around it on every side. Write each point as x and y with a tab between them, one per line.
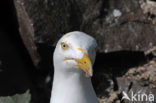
121	28
149	7
26	31
138	80
127	29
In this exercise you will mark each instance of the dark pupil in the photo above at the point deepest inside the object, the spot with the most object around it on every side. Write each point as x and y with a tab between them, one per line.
64	45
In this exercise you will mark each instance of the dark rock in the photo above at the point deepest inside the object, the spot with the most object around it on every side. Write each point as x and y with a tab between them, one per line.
116	24
139	80
130	87
15	62
26	31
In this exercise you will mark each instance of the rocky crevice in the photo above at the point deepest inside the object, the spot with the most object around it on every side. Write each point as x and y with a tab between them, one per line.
124	29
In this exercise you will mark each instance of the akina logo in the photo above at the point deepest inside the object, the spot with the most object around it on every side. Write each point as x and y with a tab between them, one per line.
138	96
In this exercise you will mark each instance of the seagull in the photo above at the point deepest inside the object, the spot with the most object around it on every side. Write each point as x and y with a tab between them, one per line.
73	58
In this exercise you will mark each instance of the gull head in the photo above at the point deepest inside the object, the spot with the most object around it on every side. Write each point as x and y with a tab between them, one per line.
75	53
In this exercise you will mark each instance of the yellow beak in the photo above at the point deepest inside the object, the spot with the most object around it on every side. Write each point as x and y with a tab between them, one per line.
85	64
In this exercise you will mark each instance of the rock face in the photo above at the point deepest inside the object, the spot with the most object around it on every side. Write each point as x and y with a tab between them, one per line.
137	81
116	24
124	29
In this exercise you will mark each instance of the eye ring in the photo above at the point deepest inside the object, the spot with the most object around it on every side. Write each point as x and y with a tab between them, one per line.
64	46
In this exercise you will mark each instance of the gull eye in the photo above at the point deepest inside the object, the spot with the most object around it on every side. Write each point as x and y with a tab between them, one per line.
64	46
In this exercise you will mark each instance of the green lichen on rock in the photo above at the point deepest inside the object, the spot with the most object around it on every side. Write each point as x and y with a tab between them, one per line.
17	98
